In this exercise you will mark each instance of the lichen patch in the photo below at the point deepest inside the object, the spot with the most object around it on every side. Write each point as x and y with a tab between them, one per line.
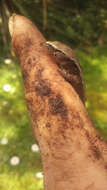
42	89
57	106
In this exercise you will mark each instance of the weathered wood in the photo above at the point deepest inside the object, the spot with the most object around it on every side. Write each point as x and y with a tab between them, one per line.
74	156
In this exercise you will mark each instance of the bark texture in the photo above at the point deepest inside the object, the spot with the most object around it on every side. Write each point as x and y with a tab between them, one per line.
74	156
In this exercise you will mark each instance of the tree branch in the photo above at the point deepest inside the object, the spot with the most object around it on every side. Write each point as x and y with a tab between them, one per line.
73	155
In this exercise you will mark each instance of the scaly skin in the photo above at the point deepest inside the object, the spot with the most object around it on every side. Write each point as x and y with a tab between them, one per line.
69	66
74	156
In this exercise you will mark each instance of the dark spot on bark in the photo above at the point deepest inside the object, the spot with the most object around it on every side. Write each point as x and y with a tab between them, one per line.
28	42
93	147
42	89
89	155
42	43
25	79
34	58
25	74
48	125
38	74
33	114
29	61
96	152
76	117
57	106
29	103
63	134
87	134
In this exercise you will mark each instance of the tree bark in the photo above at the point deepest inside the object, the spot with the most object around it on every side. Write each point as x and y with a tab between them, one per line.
74	156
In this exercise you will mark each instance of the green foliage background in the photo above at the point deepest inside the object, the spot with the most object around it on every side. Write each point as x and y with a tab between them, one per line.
80	24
